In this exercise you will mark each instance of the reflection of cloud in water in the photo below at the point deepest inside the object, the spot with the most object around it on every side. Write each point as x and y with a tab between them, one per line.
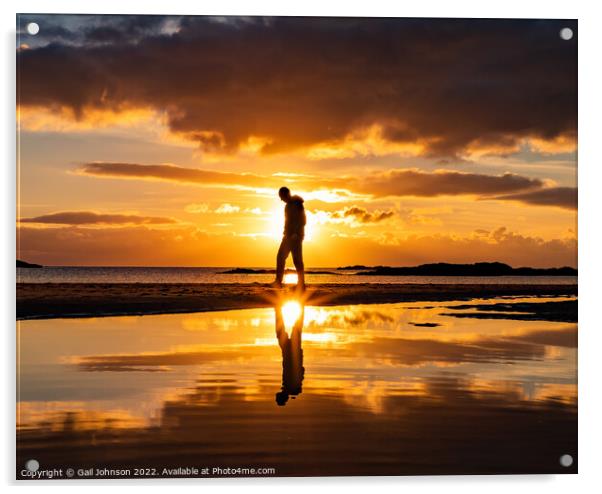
446	426
403	351
468	384
416	352
81	416
564	337
344	318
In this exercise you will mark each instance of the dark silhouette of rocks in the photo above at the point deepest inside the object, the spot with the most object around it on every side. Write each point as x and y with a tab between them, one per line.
23	264
476	269
554	311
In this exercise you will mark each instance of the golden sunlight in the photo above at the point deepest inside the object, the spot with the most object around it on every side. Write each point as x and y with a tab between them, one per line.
291	279
291	311
275	225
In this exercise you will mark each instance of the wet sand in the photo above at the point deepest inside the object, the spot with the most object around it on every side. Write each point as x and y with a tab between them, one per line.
381	389
58	300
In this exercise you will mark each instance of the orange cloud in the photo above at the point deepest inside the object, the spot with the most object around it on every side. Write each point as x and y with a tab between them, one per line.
354	214
168	172
189	246
396	182
414	182
65	119
563	197
93	218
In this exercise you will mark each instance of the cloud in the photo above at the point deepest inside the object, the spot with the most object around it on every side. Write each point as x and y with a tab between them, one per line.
413	182
227	209
176	174
397	182
189	246
434	86
95	30
93	218
359	214
562	197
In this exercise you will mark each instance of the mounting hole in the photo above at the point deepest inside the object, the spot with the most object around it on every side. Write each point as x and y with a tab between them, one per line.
32	465
566	33
566	460
33	28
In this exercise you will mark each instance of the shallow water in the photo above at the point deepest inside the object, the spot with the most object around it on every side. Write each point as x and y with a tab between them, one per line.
392	389
78	274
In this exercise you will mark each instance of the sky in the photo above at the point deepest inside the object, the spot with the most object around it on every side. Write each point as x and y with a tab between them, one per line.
162	140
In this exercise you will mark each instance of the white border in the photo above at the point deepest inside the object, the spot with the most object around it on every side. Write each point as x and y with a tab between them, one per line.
590	210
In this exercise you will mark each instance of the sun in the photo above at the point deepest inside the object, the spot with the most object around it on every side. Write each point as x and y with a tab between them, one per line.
276	224
291	311
291	279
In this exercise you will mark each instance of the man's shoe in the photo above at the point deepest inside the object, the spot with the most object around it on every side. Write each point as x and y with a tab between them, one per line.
275	284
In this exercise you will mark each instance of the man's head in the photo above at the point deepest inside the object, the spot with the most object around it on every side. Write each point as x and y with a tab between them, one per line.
281	398
284	193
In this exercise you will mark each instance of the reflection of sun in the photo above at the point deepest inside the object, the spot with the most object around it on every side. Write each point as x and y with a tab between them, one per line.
290	279
291	311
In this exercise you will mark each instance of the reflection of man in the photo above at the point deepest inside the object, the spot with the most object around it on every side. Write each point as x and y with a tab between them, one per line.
292	239
292	357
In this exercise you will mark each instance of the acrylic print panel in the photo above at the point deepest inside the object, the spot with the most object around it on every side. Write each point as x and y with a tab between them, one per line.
295	246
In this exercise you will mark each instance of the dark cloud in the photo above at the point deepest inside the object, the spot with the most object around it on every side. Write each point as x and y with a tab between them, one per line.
92	30
177	174
563	197
400	182
447	83
92	218
430	184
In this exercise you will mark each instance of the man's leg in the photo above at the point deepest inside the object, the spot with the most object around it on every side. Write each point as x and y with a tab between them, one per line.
280	329
297	251
283	252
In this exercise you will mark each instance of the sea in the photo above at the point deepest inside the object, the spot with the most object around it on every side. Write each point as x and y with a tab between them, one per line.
112	274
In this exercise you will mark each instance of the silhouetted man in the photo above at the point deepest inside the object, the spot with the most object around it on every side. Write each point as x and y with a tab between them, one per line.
292	357
292	239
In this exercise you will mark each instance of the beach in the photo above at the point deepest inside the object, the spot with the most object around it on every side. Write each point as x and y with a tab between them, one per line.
222	372
62	300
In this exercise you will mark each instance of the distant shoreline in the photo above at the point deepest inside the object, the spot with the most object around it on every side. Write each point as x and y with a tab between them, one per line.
28	265
68	300
467	270
479	269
